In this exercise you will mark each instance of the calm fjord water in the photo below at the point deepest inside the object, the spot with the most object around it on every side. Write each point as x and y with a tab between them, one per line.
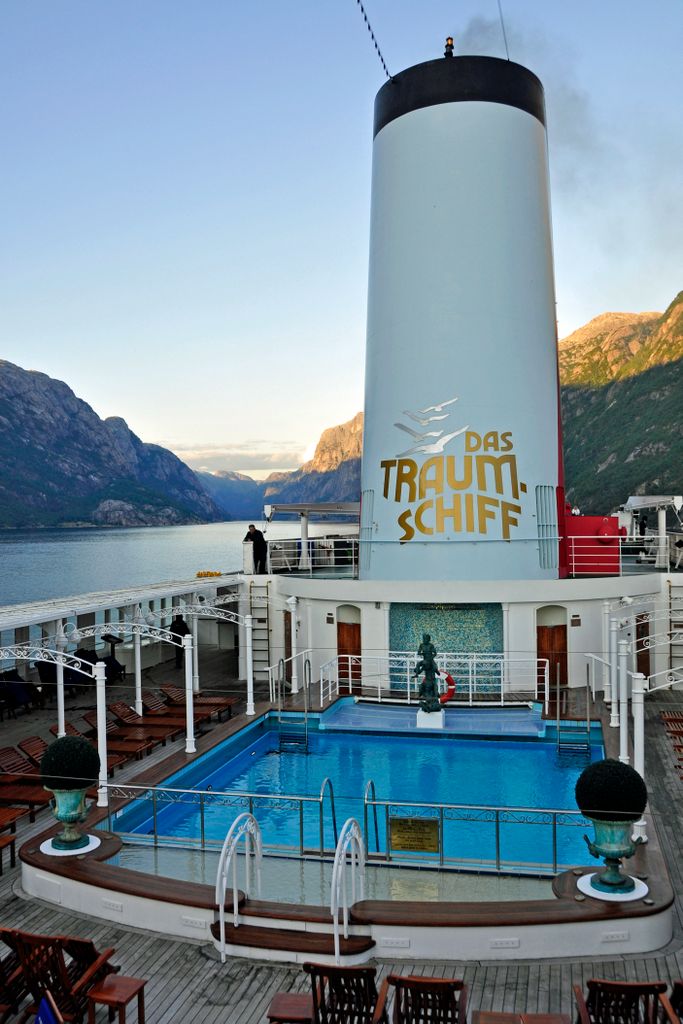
37	565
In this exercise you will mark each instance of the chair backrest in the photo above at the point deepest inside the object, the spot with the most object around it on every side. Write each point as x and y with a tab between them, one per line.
152	702
44	967
428	1000
342	995
676	999
124	712
34	747
623	1002
14	763
12	984
69	728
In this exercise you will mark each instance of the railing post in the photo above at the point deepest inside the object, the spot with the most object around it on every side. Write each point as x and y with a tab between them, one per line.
190	747
195	648
497	839
292	603
60	644
623	701
614	686
101	695
639	686
554	843
249	632
138	672
154	818
201	820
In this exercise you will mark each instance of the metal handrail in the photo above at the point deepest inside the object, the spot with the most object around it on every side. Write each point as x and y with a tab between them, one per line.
327	784
274	671
370	787
245	826
350	842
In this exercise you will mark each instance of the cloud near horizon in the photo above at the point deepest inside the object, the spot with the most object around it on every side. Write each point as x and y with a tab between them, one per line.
252	456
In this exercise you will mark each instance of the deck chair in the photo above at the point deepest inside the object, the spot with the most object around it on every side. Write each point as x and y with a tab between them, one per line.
220	705
66	966
342	995
124	750
156	708
676	999
623	1002
12	983
124	714
420	1000
35	746
136	739
48	1011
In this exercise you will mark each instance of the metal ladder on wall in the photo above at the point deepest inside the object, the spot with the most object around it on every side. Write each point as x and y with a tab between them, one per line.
573	735
258	609
292	728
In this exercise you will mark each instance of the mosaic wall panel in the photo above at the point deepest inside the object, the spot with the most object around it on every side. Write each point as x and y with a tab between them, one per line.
453	627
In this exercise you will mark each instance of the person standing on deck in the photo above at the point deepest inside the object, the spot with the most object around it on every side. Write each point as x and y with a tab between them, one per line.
260	548
179	628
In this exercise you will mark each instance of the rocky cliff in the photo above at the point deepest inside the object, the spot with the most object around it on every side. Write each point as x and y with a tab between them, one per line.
333	474
60	463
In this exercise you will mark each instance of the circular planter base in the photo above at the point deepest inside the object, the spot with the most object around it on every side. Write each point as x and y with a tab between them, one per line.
583	884
54	851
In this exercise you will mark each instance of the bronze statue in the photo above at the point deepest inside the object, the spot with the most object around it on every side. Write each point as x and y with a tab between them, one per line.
429	691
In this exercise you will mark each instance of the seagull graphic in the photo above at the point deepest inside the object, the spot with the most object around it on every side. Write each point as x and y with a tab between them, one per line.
416	434
424	422
433	449
438	408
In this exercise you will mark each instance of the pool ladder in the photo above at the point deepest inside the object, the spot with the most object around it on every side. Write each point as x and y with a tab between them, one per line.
292	732
575	734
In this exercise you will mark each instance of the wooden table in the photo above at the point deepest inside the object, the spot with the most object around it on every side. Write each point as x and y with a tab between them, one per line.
486	1017
116	991
291	1008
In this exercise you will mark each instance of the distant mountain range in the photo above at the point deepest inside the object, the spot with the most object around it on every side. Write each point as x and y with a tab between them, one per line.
622	395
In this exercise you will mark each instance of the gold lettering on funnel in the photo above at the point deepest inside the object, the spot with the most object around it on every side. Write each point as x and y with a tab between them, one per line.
469	493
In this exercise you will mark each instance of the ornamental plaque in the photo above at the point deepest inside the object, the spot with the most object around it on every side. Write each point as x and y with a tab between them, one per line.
416	834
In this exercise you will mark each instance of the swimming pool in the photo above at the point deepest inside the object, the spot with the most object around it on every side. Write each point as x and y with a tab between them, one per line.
468	797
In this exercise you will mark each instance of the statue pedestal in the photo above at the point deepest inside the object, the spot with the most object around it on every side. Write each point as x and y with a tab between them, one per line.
431	719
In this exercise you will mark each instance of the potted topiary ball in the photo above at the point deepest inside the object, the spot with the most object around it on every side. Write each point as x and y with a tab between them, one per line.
68	768
613	795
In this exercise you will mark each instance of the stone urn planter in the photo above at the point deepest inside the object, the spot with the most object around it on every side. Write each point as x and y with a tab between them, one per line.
69	767
613	796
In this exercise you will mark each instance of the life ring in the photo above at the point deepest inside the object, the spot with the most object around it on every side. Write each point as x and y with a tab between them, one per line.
606	534
450	692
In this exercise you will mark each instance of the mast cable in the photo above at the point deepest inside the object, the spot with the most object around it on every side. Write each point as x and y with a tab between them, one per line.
374	40
502	25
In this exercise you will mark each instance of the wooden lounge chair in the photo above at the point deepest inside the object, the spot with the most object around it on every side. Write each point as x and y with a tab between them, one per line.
69	967
31	793
35	746
219	705
419	1000
151	727
14	763
676	999
125	749
155	707
137	740
623	1002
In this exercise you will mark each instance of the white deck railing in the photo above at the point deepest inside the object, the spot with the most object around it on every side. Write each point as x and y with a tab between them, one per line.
479	678
615	555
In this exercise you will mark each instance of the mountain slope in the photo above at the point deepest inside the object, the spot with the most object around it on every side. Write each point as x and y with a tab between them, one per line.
333	474
60	463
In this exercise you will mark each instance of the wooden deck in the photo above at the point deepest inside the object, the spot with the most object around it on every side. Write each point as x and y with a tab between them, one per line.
188	984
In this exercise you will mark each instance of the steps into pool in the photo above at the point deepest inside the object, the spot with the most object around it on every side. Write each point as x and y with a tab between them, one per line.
293	945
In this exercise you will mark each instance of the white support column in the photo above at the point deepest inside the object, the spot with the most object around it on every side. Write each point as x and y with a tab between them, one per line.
639	688
623	701
138	674
190	747
614	686
60	644
662	545
195	650
606	680
304	558
248	628
292	605
101	695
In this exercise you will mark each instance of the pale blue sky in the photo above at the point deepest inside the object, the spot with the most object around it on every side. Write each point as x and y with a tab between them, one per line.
185	194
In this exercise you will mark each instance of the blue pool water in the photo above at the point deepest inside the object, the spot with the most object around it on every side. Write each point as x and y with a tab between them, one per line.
406	767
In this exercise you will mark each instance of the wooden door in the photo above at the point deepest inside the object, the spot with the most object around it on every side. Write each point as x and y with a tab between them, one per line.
551	643
642	654
288	646
348	642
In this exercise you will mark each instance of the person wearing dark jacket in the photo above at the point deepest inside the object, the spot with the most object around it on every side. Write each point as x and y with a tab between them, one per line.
260	548
179	628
